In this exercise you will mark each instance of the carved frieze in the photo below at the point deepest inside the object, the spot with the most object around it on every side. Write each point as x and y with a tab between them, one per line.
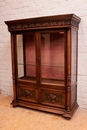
41	24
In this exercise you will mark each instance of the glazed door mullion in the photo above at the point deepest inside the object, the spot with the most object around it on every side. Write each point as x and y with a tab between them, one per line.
38	57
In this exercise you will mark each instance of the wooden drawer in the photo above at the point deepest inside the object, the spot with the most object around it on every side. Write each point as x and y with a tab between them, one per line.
53	98
28	94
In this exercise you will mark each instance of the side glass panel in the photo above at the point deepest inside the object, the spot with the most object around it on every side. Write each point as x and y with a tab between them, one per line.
52	57
26	57
20	60
73	59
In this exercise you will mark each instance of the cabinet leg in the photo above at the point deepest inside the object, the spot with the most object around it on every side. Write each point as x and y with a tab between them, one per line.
14	103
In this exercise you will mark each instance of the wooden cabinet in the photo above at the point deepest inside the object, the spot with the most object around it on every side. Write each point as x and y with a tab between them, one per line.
44	63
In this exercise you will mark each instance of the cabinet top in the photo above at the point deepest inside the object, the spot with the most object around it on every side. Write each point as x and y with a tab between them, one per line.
56	21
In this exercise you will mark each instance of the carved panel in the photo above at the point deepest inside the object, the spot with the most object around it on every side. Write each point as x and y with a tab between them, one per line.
27	94
53	98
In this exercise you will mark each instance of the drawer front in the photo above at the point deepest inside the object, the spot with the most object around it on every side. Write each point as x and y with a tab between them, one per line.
53	98
28	94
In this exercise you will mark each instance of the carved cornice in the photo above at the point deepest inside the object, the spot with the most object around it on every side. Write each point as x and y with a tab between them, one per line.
56	21
41	24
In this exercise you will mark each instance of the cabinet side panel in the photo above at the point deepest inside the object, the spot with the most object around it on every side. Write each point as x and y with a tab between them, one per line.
74	66
74	57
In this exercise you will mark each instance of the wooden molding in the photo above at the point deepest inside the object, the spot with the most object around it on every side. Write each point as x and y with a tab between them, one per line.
44	22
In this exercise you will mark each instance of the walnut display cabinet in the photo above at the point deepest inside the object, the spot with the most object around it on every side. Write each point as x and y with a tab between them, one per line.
44	63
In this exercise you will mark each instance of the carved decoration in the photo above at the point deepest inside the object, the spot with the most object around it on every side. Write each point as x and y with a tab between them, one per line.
41	24
53	98
28	93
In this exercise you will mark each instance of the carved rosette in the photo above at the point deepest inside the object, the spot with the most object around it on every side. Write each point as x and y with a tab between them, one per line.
28	93
53	98
41	24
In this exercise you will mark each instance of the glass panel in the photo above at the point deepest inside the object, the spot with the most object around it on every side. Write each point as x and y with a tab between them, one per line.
20	56
30	69
73	61
52	57
26	56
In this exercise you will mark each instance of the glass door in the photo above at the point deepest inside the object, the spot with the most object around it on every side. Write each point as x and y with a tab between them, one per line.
52	57
26	56
51	47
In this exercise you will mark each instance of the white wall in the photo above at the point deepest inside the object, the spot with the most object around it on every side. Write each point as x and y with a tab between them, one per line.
19	9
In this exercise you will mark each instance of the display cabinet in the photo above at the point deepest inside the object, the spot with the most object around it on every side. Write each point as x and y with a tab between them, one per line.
44	63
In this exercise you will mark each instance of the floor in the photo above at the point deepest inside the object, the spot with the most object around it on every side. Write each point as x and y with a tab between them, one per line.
20	118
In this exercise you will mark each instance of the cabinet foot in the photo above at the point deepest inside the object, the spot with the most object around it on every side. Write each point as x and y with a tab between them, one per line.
69	114
14	103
